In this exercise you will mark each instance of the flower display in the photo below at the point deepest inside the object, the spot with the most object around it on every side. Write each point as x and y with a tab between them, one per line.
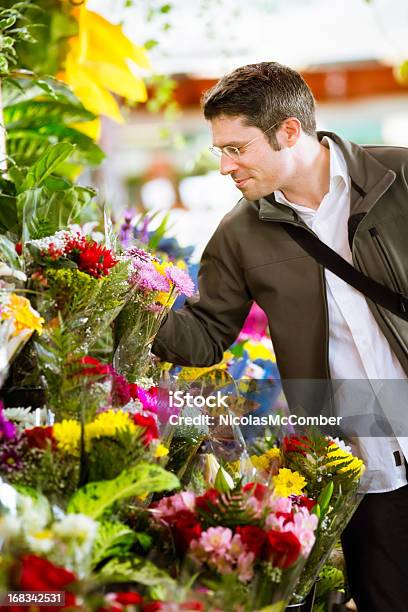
242	534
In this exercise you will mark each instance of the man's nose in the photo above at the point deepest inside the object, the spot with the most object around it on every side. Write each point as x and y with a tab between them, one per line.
227	165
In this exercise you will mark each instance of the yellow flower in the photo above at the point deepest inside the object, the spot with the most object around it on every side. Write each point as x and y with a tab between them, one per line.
269	458
261	462
109	423
339	456
94	68
24	315
68	434
161	451
288	483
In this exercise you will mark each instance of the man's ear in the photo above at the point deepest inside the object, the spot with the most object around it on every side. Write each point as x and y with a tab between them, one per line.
290	132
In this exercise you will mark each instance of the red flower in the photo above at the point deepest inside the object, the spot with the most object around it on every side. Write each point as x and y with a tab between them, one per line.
252	537
96	367
288	516
95	259
295	444
208	500
185	528
40	437
304	502
149	424
256	489
41	575
19	248
128	599
283	548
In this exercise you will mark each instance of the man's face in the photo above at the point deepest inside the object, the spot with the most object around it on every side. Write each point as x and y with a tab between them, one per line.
259	170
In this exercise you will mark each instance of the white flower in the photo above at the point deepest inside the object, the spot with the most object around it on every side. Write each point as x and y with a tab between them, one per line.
34	513
76	527
40	542
10	527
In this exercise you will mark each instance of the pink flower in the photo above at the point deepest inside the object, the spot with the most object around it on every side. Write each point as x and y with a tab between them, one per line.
279	504
144	275
168	506
181	280
304	526
216	539
245	566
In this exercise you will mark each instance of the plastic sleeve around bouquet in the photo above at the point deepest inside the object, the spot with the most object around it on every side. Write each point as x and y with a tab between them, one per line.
135	330
327	534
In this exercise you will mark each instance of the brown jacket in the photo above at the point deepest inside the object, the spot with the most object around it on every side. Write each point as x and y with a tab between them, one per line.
251	257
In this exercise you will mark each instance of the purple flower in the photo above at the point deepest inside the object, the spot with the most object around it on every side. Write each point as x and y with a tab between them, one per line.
125	232
139	254
181	280
7	428
144	275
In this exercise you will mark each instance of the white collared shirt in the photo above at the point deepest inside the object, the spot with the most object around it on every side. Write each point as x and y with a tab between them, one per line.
358	350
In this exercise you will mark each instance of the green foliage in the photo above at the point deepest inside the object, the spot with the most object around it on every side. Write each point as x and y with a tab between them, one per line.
95	499
46	165
330	579
52	24
108	456
72	291
231	509
320	469
114	539
11	33
136	570
53	473
39	113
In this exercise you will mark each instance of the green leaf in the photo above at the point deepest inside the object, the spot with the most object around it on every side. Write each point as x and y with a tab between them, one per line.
47	164
8	214
8	253
42	213
95	498
136	570
113	539
223	481
325	497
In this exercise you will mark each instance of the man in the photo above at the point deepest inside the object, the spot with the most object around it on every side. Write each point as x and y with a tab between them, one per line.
262	118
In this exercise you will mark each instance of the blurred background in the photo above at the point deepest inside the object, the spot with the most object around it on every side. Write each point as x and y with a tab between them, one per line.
351	52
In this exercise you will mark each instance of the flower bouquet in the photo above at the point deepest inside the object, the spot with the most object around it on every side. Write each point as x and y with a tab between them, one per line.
156	284
78	553
246	544
57	459
332	478
80	288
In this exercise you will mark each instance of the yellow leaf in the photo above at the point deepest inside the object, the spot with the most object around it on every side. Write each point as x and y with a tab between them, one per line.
94	97
122	82
105	35
89	128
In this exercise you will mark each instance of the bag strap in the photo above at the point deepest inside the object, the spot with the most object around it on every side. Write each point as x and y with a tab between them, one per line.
395	302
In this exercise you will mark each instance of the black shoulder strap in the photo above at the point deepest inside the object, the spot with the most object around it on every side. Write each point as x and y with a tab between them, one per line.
324	255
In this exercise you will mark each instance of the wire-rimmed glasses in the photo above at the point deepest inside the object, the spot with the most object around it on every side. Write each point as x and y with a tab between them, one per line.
235	152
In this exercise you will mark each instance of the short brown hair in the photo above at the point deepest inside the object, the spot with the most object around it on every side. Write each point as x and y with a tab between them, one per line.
264	93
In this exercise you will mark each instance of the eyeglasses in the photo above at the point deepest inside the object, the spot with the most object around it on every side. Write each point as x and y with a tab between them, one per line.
235	152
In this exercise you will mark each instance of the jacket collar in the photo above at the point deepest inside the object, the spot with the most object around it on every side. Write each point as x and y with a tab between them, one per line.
370	179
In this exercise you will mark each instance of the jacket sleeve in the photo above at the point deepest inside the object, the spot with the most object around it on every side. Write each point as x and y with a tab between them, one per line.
200	332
